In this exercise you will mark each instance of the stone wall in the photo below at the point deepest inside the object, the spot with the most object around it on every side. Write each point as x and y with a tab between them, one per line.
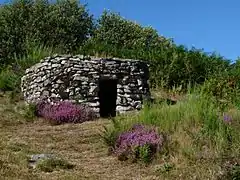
76	78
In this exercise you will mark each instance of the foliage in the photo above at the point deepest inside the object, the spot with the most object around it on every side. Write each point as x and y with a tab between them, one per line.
224	87
173	64
140	143
197	117
8	79
34	53
10	76
67	26
116	31
64	112
110	135
235	174
64	24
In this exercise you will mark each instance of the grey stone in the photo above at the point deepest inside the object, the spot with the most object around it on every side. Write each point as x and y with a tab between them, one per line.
78	77
119	91
123	108
63	62
59	81
71	93
139	106
93	89
119	86
38	80
119	100
44	77
139	82
55	65
36	158
96	104
53	95
82	101
45	93
126	90
46	82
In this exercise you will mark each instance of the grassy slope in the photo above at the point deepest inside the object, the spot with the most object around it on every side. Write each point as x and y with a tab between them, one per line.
81	145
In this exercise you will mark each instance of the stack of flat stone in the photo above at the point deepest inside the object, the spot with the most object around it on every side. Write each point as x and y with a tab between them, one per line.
76	79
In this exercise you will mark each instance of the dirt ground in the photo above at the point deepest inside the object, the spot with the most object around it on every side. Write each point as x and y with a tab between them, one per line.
79	144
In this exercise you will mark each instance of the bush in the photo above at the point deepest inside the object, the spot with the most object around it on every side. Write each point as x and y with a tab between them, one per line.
114	30
197	117
64	112
65	24
170	64
138	144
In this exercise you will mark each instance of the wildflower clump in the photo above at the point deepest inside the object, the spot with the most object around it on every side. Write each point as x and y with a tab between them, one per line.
65	112
140	143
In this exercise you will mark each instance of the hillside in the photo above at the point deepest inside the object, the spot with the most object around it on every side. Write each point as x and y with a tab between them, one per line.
189	131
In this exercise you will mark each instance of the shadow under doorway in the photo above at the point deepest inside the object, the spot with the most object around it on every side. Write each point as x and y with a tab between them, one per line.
108	97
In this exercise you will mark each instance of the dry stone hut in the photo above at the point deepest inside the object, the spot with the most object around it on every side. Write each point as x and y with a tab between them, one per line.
107	85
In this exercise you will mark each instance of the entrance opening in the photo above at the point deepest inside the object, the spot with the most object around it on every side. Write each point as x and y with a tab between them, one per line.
108	97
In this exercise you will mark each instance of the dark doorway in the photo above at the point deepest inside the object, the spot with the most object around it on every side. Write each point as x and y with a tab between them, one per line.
108	97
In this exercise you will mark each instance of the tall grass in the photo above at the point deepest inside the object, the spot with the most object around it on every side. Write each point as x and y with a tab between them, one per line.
197	117
8	79
10	76
69	26
35	52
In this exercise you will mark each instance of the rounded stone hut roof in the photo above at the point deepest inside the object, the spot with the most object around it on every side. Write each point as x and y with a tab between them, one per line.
68	77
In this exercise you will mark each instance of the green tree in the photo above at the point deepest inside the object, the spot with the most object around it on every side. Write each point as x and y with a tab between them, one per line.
65	24
170	64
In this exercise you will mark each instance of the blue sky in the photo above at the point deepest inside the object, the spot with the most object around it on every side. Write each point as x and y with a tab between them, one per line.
209	24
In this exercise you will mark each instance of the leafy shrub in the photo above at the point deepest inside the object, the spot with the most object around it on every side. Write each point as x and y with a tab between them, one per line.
236	172
64	112
139	143
114	30
65	24
170	64
197	114
222	87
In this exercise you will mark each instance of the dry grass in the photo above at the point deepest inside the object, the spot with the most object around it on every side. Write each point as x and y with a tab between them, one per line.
81	145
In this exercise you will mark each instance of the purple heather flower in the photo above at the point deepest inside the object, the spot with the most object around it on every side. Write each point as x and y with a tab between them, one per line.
137	137
227	118
64	112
